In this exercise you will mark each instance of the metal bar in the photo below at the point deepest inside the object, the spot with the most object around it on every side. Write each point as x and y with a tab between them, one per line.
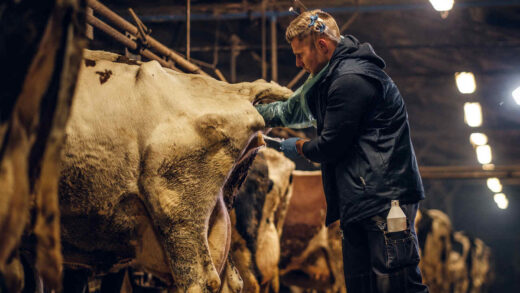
296	79
471	47
126	26
202	63
349	22
89	32
264	41
234	54
188	28
111	32
333	10
220	75
274	51
212	66
141	29
126	41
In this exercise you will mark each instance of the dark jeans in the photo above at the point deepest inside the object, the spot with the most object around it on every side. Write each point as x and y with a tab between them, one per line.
377	261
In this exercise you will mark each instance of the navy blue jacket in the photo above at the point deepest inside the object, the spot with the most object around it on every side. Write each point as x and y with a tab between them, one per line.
363	143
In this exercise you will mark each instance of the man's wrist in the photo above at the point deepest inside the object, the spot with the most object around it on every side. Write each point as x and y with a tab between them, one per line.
299	146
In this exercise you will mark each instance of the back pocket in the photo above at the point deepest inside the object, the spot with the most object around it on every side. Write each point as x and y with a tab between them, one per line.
401	249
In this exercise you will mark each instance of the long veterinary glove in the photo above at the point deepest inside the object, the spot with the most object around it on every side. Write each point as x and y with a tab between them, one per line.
288	147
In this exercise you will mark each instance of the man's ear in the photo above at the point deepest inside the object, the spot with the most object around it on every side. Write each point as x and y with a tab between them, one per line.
323	46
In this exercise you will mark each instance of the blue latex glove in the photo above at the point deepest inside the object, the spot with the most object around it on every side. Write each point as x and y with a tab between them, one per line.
288	148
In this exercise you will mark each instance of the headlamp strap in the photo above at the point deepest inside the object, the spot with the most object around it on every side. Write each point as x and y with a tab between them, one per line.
317	23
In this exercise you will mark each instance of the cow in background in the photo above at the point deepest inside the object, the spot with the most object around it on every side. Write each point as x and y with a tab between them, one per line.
458	266
450	260
434	234
258	218
311	253
40	53
469	264
152	156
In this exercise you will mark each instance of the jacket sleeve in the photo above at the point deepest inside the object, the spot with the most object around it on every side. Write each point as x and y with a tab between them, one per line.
349	97
293	113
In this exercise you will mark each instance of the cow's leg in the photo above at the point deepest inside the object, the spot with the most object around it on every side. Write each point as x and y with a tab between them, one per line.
75	281
231	279
181	220
113	282
219	236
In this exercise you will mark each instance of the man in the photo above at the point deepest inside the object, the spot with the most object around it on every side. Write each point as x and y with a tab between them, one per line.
364	148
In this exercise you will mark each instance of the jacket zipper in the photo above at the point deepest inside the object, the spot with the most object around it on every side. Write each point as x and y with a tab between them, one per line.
363	182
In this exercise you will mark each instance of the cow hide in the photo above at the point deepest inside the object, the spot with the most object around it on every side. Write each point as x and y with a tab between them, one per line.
258	218
151	158
41	51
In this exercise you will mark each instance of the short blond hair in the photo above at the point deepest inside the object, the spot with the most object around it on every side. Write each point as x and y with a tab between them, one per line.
299	27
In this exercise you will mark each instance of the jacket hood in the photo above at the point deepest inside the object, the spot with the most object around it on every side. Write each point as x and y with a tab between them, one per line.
350	47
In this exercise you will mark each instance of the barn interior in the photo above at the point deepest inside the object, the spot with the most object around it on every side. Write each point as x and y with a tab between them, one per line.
476	183
423	49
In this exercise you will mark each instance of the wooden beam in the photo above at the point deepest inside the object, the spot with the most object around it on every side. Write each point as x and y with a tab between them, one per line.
468	172
509	174
166	13
274	51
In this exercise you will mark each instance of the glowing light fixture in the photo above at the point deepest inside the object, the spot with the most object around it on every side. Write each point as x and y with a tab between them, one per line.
484	154
478	138
501	200
473	114
494	184
516	95
442	5
465	82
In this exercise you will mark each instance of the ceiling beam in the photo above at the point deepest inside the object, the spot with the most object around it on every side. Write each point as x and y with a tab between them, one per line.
469	172
221	12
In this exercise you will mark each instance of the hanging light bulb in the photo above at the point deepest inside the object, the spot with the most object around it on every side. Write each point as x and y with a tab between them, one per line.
465	82
442	5
501	200
473	114
516	95
494	184
478	138
484	154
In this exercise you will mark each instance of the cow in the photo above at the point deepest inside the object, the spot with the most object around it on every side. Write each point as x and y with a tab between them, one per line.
41	51
151	158
258	217
481	274
450	260
434	233
311	252
457	262
469	264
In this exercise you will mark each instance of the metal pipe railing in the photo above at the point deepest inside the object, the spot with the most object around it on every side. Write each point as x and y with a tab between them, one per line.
122	24
126	41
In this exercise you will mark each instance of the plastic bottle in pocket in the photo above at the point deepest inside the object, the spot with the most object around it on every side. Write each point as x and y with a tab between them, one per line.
396	219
